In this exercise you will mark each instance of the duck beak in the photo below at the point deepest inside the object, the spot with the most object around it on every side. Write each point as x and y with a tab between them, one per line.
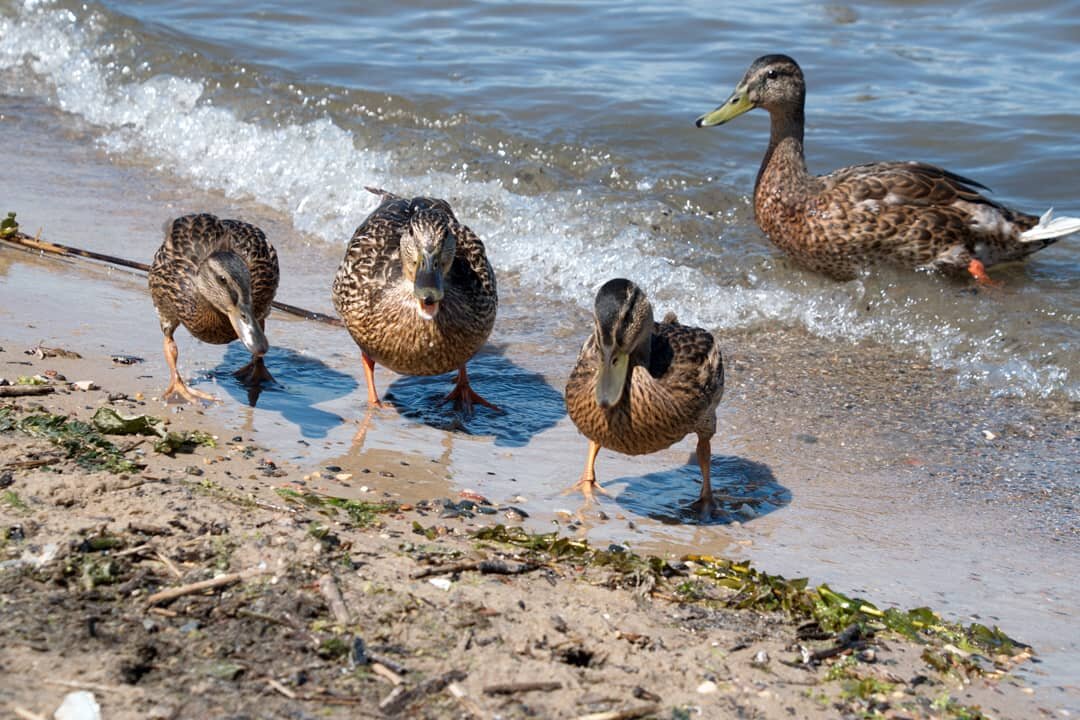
733	107
428	286
248	330
611	376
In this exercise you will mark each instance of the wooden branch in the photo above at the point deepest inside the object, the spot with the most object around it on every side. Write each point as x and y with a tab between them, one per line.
220	581
628	714
329	589
486	567
25	390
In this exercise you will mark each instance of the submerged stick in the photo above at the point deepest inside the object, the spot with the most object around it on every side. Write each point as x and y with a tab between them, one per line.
36	243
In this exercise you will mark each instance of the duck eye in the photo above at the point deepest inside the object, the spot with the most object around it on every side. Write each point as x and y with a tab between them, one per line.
772	74
221	279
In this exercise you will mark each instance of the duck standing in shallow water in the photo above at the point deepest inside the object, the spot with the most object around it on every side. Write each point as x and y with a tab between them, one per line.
906	213
217	278
417	293
640	386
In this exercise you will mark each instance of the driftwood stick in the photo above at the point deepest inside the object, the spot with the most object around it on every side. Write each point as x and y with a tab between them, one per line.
628	714
486	567
25	390
169	564
511	688
330	591
379	669
220	581
25	714
467	703
24	240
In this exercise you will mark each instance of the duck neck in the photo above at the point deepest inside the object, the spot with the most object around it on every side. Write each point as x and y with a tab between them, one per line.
785	157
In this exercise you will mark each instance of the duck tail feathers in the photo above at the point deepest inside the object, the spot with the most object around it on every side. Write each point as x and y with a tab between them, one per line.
1051	228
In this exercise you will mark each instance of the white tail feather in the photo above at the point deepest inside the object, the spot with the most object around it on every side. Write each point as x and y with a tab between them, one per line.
1050	227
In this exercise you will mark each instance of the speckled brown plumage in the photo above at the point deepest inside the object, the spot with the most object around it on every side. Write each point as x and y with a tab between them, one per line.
908	214
234	259
672	392
376	300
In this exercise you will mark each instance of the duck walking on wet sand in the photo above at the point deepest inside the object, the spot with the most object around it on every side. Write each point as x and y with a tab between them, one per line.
217	278
909	214
640	386
417	293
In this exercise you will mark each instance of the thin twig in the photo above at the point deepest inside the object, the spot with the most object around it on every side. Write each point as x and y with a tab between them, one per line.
281	688
30	464
400	698
467	703
221	580
511	688
379	669
169	564
80	685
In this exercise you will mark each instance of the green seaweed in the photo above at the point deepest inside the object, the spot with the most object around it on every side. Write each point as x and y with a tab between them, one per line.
361	513
748	588
80	441
11	499
8	226
110	422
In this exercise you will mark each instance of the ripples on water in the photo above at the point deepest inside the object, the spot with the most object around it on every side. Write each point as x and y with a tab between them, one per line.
572	151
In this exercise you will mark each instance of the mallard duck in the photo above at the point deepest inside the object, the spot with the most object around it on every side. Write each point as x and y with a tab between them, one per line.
906	213
640	386
417	293
217	278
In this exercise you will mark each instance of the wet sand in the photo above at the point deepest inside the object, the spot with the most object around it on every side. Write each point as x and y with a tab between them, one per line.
852	465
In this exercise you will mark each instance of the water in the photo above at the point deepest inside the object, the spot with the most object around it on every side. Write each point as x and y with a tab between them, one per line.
563	133
855	419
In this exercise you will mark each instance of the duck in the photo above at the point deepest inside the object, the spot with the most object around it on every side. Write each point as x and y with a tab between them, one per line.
216	277
909	214
640	386
417	293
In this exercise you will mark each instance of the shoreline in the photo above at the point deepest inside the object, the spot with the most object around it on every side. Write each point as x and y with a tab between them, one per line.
613	634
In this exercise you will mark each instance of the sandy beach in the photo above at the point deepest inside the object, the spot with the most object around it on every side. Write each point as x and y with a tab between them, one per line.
860	468
384	607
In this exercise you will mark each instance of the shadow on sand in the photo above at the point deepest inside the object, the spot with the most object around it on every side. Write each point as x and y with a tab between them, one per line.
530	404
743	489
300	382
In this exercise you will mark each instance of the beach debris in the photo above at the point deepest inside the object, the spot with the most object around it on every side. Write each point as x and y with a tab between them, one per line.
400	697
707	688
761	659
8	226
85	385
989	435
127	359
111	422
484	567
78	705
41	352
642	694
522	687
213	583
474	496
361	512
21	390
332	594
627	714
441	583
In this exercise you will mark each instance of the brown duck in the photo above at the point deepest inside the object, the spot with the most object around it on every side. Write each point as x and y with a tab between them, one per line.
217	278
640	386
908	214
417	293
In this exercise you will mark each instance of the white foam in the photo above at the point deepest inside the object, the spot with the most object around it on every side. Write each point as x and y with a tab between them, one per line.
563	244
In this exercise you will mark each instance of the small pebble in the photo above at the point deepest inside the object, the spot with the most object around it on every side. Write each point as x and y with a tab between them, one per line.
761	658
440	582
867	656
707	687
342	477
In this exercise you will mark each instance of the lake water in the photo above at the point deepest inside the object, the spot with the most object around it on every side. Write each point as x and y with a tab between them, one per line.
857	413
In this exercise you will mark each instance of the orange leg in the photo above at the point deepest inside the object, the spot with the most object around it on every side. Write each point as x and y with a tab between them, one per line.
464	396
705	504
369	376
587	483
978	271
176	383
